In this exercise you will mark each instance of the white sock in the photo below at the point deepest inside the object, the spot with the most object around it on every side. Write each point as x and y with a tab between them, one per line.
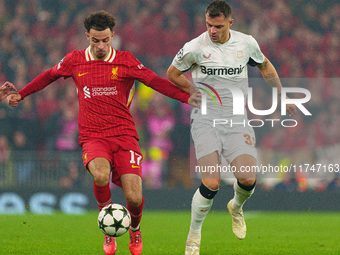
200	207
134	229
240	196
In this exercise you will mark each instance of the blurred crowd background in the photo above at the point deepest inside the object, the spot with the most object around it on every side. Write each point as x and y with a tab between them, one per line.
38	140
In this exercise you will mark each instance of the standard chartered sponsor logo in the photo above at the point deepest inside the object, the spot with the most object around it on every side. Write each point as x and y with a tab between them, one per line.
106	91
100	91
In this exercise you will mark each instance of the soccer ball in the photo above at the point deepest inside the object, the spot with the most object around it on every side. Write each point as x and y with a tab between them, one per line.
114	220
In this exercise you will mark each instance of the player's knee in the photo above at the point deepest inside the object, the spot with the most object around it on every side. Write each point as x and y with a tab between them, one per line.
134	200
247	181
100	170
100	178
212	184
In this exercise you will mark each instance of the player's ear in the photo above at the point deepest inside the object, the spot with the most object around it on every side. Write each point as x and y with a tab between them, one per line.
113	33
231	21
87	36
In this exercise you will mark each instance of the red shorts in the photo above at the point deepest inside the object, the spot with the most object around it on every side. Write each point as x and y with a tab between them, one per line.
123	152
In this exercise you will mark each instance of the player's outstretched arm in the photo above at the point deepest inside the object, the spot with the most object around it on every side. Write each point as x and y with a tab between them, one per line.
7	89
167	88
176	76
271	77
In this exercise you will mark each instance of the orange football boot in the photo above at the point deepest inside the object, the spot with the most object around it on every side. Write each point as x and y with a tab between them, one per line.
110	245
136	244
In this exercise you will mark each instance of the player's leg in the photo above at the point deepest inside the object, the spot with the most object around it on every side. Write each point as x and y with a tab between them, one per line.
128	174
100	169
203	197
207	148
97	157
202	202
132	188
244	187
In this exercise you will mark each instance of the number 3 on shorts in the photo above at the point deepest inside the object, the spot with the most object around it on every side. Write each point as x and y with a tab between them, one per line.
249	140
135	156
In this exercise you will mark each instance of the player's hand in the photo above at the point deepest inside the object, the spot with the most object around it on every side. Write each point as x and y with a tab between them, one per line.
5	90
291	109
13	99
195	99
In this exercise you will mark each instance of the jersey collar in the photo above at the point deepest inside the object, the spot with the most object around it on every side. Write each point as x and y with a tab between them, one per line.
110	57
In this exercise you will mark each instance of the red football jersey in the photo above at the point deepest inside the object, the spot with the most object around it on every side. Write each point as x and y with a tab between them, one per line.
105	90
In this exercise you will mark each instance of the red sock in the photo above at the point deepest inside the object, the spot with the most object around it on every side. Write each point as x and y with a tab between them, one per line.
102	194
136	213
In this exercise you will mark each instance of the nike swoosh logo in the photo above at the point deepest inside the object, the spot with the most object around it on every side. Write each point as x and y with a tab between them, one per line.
81	74
133	166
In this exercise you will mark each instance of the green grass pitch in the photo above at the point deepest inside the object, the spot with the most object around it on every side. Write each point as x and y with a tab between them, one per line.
164	232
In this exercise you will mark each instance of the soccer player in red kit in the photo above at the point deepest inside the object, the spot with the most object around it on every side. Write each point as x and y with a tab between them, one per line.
105	82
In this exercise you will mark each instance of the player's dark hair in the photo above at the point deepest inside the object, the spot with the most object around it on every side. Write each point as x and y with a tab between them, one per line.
99	21
218	8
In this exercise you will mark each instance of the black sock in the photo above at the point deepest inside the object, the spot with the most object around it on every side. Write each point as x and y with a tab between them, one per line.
206	192
247	188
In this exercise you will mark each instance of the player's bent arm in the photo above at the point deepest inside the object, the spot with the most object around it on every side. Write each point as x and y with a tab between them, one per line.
270	75
176	76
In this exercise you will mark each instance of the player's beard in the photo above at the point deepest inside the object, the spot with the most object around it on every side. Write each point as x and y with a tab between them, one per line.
101	54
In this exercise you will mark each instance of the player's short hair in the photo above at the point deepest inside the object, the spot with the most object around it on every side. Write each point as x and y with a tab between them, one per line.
218	8
99	21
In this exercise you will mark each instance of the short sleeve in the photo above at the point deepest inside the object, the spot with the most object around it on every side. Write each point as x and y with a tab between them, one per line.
256	57
185	58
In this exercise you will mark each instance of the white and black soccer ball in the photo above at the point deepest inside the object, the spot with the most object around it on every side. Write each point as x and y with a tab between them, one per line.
114	220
